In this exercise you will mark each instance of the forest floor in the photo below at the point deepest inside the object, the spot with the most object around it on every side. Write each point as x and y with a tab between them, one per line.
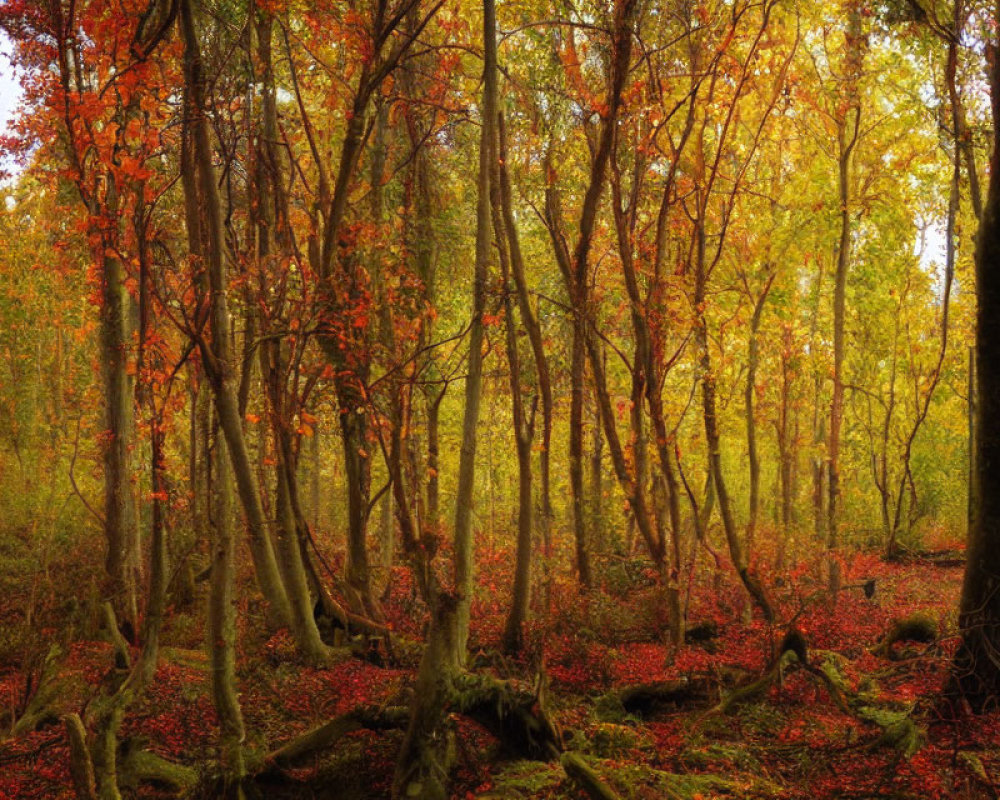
857	723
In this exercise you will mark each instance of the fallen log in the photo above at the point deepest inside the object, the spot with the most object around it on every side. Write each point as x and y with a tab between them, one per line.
644	699
324	736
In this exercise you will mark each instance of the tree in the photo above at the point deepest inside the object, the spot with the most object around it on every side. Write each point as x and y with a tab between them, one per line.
975	675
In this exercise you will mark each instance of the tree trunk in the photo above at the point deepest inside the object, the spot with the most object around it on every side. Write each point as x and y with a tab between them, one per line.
848	130
120	524
576	457
202	202
464	503
221	633
736	552
975	674
749	393
530	321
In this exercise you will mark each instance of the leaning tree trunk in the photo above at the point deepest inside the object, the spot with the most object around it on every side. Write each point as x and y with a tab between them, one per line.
272	230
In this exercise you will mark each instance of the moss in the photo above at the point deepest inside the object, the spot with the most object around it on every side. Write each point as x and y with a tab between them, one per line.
899	731
524	779
975	765
714	755
610	740
637	782
608	708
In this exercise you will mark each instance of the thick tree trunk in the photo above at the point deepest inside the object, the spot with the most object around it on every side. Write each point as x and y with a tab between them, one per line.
425	757
304	628
975	675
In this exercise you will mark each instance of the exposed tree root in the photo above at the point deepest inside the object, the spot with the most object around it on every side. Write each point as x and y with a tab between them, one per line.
138	766
917	627
753	690
42	706
81	767
586	778
517	718
645	699
898	730
329	733
377	643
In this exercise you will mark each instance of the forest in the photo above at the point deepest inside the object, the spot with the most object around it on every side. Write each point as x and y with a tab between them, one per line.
577	399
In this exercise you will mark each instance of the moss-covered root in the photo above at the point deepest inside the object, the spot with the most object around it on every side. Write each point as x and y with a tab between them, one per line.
81	768
141	766
646	699
42	707
329	733
917	627
516	717
586	778
753	690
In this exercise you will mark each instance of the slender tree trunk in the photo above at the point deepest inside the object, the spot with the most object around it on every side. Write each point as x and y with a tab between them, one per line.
597	526
315	470
578	499
464	502
575	268
784	440
120	525
848	130
530	321
513	636
272	235
749	393
218	356
221	633
736	552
